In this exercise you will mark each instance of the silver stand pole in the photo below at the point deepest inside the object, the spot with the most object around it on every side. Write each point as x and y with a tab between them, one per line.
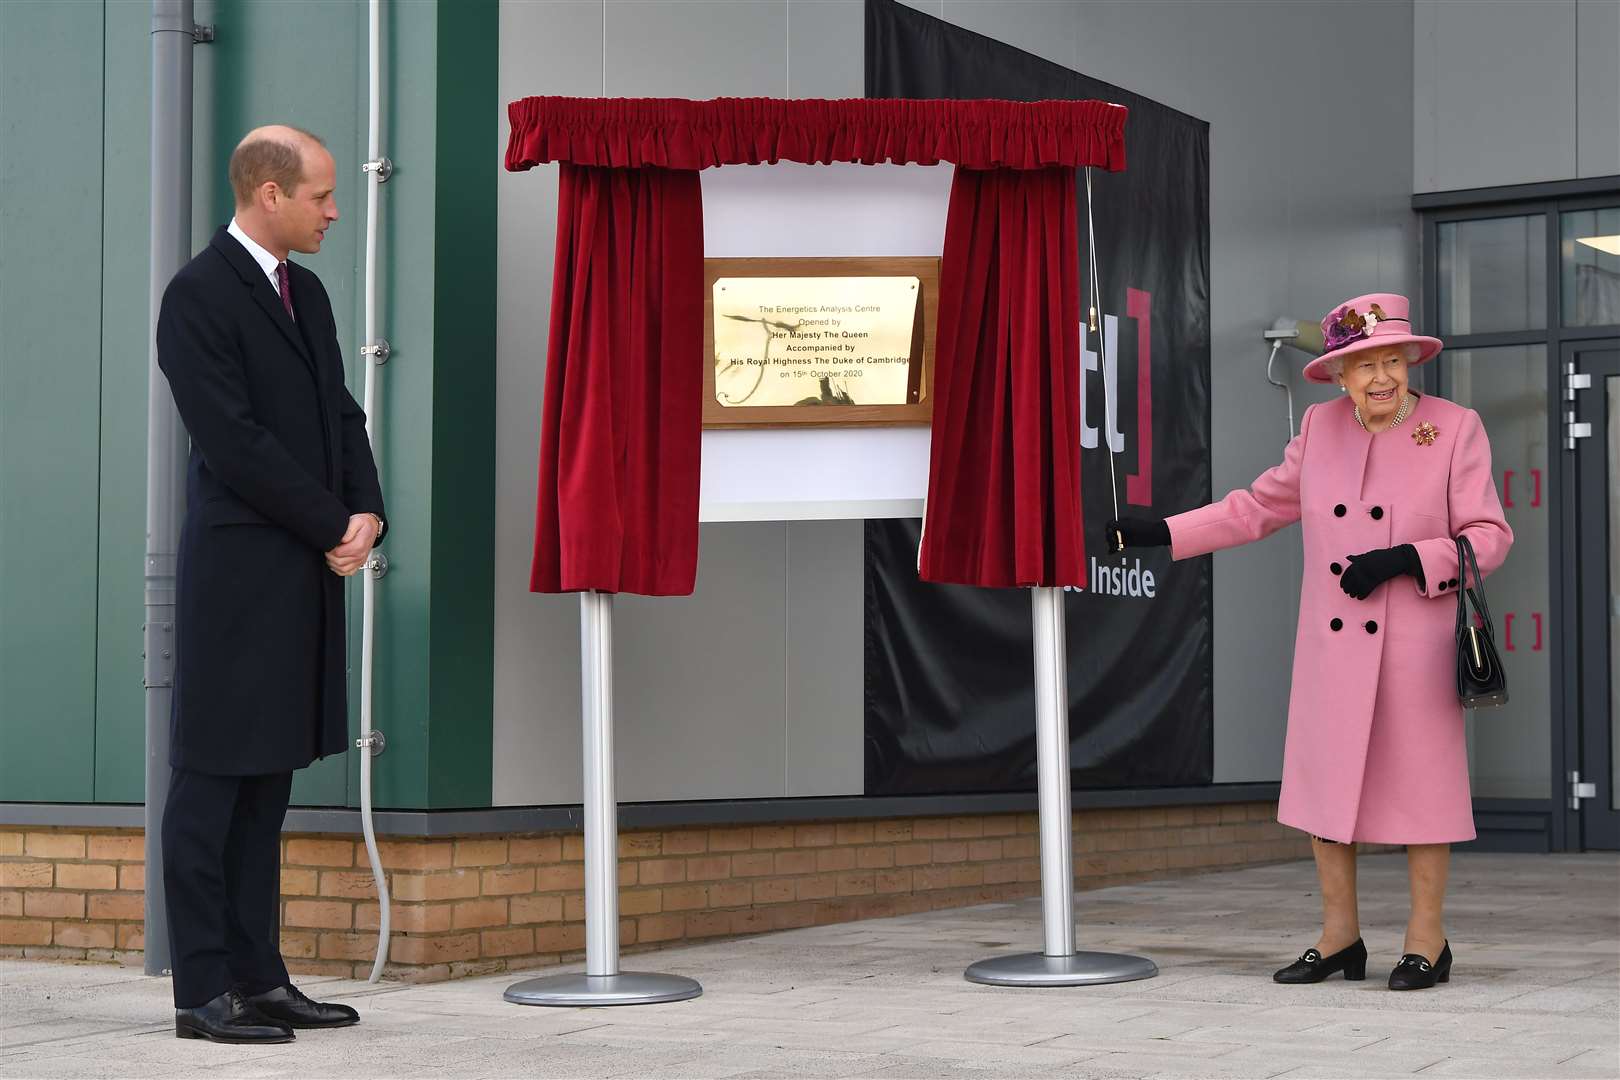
602	982
1057	964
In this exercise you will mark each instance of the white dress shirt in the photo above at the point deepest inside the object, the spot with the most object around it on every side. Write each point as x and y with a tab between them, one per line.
267	262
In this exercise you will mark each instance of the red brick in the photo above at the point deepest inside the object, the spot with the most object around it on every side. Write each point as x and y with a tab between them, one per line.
835	859
414	854
295	944
773	892
508	942
891	832
931	829
1000	873
309	852
24	932
685	897
434	950
651	928
536	909
407	918
729	894
78	935
752	864
642	845
352	885
118	905
971	874
480	852
855	832
11	903
892	881
662	871
730	839
628	874
984	850
911	854
1020	847
639	902
348	946
701	924
564	937
966	828
46	845
26	875
773	836
813	835
473	914
319	914
437	885
948	852
874	858
750	921
817	888
708	868
686	842
535	849
132	877
560	878
53	905
795	862
299	882
131	936
506	880
574	908
11	843
117	848
1001	825
856	884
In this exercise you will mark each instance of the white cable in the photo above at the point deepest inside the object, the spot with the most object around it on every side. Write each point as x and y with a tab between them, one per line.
1276	345
368	584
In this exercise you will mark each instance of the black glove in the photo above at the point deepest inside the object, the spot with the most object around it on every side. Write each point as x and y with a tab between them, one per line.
1136	532
1371	569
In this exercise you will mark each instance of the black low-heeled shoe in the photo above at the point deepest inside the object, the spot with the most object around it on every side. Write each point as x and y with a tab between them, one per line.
1313	967
1414	972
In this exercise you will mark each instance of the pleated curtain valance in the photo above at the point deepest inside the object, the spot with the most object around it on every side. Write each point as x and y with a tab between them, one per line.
674	133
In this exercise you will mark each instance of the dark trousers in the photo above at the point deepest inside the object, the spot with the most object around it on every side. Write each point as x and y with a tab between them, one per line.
222	883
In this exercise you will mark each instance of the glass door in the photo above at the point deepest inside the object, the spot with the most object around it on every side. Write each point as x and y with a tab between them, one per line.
1595	785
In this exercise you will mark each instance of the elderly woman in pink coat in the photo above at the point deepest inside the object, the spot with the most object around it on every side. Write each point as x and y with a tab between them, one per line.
1381	481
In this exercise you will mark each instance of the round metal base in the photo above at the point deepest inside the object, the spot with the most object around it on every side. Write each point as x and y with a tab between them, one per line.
625	988
1080	969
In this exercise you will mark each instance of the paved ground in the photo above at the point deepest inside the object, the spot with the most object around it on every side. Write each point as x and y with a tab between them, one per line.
1536	993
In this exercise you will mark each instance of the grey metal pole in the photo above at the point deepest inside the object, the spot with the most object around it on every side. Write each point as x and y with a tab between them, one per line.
602	982
166	441
1058	964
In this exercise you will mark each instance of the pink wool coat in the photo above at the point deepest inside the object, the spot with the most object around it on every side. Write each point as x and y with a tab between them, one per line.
1375	748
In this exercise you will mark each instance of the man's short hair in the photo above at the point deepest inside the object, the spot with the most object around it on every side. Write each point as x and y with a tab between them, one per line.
258	161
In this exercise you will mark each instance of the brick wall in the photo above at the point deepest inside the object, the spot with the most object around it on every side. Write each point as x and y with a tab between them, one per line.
475	905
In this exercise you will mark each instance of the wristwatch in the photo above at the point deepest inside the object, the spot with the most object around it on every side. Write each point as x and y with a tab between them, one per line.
379	522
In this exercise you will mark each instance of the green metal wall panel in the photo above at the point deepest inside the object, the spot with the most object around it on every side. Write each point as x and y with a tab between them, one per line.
462	701
125	268
50	383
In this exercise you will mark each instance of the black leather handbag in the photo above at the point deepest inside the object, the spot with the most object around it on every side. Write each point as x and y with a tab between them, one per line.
1481	682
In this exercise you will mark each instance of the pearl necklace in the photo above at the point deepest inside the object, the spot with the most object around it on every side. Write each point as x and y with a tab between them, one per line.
1400	414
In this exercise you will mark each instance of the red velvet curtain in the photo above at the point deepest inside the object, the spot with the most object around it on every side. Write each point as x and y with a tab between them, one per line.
617	504
1004	482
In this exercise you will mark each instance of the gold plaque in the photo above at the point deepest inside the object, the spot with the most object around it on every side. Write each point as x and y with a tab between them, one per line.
818	341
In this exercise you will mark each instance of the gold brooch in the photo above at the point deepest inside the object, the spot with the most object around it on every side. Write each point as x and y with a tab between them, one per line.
1425	433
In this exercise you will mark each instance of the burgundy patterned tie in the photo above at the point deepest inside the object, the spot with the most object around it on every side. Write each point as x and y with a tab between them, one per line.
286	287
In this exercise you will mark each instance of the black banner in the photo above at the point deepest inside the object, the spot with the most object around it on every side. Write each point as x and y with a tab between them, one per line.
949	669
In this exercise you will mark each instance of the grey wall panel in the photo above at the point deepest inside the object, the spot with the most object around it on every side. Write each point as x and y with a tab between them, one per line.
826	55
825	699
1497	101
696	48
1597	88
1046	28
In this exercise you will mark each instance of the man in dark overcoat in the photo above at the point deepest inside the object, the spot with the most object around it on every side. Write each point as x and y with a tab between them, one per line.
282	503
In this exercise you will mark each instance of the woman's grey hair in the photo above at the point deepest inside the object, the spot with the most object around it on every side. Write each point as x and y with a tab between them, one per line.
1412	349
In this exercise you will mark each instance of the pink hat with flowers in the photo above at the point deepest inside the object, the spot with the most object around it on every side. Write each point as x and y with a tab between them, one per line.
1368	322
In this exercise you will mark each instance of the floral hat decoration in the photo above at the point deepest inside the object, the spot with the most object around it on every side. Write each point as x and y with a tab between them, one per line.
1368	322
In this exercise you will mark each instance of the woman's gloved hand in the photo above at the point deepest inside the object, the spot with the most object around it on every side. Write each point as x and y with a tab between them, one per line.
1135	532
1371	569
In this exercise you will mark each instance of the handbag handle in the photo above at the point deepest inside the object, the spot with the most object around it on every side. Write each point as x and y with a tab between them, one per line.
1465	559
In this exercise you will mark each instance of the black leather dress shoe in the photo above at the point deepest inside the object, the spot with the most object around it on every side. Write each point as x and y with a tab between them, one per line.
229	1019
289	1005
1313	967
1414	972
